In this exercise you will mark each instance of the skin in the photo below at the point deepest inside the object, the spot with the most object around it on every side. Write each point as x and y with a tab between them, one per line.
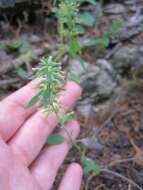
24	163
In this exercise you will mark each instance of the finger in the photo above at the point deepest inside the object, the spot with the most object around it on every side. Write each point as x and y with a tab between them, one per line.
13	112
72	178
29	140
45	168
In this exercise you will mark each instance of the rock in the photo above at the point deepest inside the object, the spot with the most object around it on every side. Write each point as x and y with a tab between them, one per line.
34	39
105	65
4	27
128	58
10	3
139	60
98	81
7	3
92	143
3	55
132	27
77	68
129	2
38	51
133	2
5	62
84	107
124	59
115	8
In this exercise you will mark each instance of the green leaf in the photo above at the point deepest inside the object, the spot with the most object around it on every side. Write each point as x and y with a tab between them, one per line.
91	166
33	101
74	48
66	118
86	18
93	2
20	45
15	44
25	46
55	139
102	42
2	45
27	57
80	29
21	73
60	79
88	42
45	97
116	26
82	62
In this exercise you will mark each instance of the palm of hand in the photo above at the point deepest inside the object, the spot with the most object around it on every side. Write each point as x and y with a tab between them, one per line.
24	164
13	174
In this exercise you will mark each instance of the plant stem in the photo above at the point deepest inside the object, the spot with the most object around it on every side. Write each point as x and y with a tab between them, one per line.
122	177
88	180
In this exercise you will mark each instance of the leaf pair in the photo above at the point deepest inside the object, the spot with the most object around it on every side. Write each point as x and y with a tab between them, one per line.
91	166
55	139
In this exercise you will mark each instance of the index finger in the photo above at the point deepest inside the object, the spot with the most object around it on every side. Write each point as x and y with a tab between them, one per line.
12	109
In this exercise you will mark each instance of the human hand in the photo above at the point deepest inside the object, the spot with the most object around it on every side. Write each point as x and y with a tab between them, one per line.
24	163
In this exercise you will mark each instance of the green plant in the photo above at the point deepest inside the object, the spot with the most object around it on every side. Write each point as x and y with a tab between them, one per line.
55	139
68	22
50	69
91	166
104	41
20	45
2	45
53	79
49	91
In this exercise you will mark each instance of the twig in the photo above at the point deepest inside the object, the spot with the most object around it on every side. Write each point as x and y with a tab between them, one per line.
129	187
72	141
115	49
120	161
122	177
102	185
88	180
106	122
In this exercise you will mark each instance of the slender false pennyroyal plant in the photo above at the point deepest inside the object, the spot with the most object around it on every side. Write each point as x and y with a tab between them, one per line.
50	88
53	78
50	70
67	14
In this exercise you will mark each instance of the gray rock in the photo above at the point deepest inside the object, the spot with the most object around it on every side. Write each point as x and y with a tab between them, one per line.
129	2
98	81
77	68
34	38
139	59
10	3
132	27
115	8
85	107
92	143
125	58
3	55
7	3
105	65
